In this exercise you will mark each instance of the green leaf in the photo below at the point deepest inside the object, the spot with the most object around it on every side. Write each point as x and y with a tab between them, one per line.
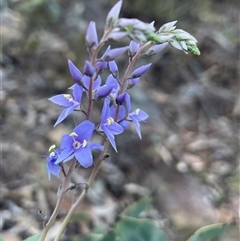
111	236
136	208
209	233
1	239
130	229
92	237
33	238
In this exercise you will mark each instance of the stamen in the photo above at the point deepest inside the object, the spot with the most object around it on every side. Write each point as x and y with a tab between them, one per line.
84	143
137	111
68	97
52	154
73	134
110	120
52	147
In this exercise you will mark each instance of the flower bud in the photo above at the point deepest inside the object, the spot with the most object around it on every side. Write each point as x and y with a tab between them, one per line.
140	71
174	43
91	35
88	69
121	98
114	36
103	91
132	82
75	72
101	66
114	53
133	48
155	49
113	68
113	14
167	27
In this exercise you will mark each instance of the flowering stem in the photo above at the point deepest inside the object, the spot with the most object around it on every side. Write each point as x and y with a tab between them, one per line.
127	73
84	192
131	63
59	202
93	62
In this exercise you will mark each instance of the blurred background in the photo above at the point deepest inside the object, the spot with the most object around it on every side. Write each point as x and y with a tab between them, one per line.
188	160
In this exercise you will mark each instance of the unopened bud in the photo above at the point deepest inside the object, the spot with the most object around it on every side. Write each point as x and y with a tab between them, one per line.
75	72
88	69
91	35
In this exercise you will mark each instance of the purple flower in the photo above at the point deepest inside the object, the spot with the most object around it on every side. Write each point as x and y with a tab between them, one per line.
70	103
75	72
135	116
108	125
121	98
132	82
133	48
112	54
89	70
96	84
121	118
91	35
113	81
101	66
113	68
140	71
103	91
53	168
76	145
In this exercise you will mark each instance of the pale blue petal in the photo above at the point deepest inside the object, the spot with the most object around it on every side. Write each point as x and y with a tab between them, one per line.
110	136
84	130
115	128
61	100
84	156
77	92
66	153
65	113
137	127
105	110
96	146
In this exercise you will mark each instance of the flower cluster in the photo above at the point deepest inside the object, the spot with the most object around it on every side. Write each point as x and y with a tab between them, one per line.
112	92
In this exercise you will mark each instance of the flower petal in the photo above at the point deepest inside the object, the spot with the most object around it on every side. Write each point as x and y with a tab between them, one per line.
140	116
66	142
84	156
77	92
84	130
137	127
61	100
74	71
96	146
115	128
105	111
65	113
97	82
66	153
110	136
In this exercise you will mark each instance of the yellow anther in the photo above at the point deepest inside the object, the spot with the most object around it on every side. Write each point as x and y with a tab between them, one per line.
84	143
52	148
73	134
52	154
110	120
68	97
137	111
